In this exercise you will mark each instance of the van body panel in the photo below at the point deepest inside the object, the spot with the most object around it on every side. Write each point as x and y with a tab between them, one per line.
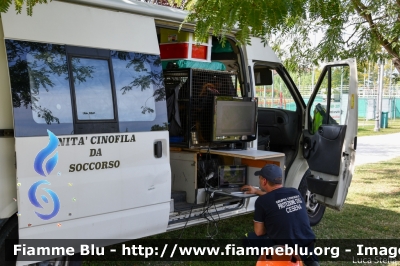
258	51
6	121
90	177
8	205
137	7
296	171
8	192
125	224
63	23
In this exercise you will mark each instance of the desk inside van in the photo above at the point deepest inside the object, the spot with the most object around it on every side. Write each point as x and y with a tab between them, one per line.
184	167
253	158
248	154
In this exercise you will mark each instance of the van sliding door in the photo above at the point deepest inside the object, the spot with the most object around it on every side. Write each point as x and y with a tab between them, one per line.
89	106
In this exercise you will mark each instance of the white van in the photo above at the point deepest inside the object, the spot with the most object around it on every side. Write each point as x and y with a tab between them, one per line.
89	151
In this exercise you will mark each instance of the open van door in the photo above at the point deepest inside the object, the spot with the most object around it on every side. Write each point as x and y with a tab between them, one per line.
330	134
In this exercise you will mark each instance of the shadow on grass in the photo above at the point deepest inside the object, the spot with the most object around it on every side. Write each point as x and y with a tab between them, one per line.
371	212
388	171
357	222
353	222
232	229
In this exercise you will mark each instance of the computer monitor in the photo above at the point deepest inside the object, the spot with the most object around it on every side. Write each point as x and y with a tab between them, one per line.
232	175
234	119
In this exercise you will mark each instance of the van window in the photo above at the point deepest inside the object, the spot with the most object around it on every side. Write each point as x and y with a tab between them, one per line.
331	102
74	90
93	91
137	78
40	88
48	83
139	85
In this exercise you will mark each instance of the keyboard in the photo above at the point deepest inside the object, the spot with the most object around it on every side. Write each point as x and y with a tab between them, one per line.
231	190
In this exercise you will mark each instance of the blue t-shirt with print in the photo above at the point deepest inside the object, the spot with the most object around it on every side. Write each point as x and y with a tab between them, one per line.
285	218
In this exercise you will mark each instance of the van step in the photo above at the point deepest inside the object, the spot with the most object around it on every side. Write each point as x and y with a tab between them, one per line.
184	206
178	196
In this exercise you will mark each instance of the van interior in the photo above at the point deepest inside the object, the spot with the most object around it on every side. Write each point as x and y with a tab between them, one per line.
193	87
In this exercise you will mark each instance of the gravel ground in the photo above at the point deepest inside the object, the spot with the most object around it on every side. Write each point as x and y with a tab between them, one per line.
371	149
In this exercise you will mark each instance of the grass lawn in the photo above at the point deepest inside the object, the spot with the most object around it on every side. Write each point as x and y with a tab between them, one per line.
372	208
371	211
366	128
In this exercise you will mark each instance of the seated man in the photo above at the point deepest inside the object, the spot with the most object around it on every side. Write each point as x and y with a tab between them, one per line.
280	215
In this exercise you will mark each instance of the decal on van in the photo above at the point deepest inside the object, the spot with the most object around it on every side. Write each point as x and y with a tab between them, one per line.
38	166
43	154
35	202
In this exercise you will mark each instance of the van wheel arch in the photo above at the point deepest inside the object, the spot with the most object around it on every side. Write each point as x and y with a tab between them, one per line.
10	231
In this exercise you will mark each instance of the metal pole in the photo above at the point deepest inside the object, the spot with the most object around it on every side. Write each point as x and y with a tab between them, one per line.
380	91
390	87
312	79
299	82
373	80
313	67
364	81
369	70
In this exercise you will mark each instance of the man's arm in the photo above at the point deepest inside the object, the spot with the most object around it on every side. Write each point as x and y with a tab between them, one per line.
259	228
252	190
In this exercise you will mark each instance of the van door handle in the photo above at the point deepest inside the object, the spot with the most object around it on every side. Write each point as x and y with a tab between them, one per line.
355	143
158	149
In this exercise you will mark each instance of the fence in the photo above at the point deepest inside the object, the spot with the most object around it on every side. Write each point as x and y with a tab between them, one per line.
367	107
367	100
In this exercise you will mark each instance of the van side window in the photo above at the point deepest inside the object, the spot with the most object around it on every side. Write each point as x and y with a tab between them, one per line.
137	79
139	85
93	91
78	90
49	88
330	104
39	87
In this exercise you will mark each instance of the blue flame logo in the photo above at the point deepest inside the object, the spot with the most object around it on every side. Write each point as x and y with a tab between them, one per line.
38	166
35	202
43	154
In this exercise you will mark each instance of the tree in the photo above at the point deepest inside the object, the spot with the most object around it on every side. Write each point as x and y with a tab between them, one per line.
5	5
350	28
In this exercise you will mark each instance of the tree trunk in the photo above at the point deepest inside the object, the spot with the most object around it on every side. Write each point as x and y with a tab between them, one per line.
396	63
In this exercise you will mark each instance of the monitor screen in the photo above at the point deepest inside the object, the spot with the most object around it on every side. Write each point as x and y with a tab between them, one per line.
234	119
232	175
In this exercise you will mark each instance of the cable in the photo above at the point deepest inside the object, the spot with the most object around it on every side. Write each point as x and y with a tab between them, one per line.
206	172
206	214
187	220
215	224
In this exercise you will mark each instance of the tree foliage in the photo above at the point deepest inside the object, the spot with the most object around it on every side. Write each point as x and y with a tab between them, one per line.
363	29
19	4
